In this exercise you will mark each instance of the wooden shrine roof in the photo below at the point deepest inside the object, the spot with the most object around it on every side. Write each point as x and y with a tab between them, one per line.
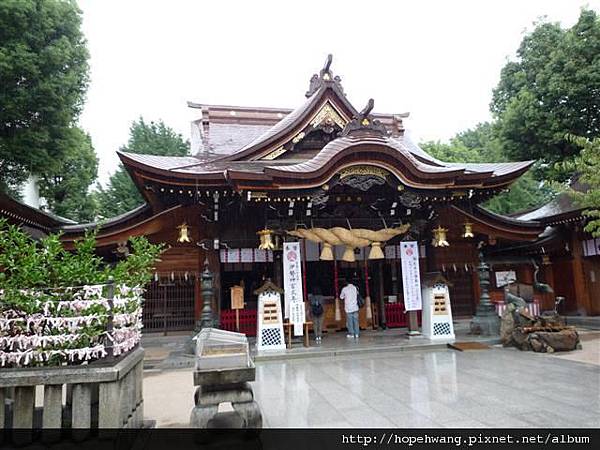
35	221
272	160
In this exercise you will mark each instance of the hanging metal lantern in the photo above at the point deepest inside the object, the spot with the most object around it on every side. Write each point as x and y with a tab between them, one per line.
440	238
183	233
266	239
468	233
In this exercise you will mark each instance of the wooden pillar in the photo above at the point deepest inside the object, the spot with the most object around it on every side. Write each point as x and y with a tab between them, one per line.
548	298
305	299
395	272
582	295
380	293
277	268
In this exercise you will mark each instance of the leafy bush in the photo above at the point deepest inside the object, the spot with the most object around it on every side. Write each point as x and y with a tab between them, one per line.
29	264
54	306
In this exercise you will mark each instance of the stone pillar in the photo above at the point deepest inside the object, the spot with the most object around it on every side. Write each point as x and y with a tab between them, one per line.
139	400
81	416
52	414
207	319
23	407
486	321
109	407
2	418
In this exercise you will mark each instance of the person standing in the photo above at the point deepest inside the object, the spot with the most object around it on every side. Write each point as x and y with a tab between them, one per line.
350	296
317	312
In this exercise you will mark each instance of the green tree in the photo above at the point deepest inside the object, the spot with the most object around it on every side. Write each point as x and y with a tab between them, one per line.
552	89
480	145
65	185
43	80
587	166
150	138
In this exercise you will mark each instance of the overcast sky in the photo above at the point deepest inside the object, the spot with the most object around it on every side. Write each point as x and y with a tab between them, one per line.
438	60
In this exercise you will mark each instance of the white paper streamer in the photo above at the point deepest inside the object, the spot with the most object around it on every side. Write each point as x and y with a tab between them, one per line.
61	321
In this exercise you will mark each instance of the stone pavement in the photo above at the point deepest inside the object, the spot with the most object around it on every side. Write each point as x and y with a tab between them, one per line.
168	352
430	388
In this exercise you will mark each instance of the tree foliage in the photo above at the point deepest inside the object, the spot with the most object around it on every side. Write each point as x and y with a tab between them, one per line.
65	185
480	145
151	138
587	167
43	80
552	89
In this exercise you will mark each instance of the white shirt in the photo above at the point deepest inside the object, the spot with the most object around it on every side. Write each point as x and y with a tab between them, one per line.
349	294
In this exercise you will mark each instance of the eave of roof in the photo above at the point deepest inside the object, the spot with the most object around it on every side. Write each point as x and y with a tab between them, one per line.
136	213
372	148
18	211
558	209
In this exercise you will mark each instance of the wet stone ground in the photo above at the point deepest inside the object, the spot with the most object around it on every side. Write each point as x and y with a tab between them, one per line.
484	388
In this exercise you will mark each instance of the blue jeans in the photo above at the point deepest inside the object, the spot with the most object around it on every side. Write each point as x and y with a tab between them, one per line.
352	323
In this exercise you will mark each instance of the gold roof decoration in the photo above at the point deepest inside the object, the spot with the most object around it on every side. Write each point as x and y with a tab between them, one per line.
329	115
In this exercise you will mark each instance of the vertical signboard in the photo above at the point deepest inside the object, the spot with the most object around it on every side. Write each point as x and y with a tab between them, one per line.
292	283
411	278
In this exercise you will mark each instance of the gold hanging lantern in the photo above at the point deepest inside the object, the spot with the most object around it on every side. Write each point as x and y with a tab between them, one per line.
183	233
266	239
376	251
468	230
327	252
440	238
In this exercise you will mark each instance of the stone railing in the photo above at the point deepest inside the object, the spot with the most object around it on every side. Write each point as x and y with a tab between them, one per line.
102	394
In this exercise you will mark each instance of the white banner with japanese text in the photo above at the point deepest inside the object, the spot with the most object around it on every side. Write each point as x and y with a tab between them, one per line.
297	317
411	277
292	275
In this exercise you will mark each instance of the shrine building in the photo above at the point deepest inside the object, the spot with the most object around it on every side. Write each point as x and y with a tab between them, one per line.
349	185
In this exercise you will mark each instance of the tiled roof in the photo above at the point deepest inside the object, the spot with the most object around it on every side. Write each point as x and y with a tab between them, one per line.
143	209
228	138
214	164
498	169
340	144
282	126
562	204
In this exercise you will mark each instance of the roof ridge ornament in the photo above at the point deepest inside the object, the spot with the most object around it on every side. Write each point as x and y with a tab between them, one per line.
325	76
364	123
